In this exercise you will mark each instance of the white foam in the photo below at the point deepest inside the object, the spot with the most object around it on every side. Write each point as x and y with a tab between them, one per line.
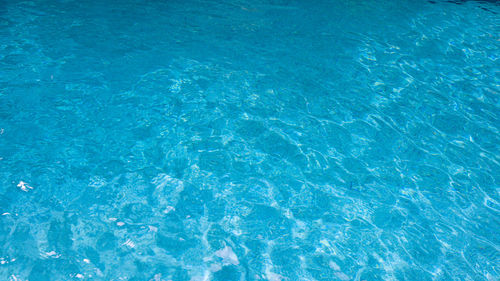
334	266
215	267
168	209
228	256
167	191
129	243
51	254
24	186
341	276
271	276
163	180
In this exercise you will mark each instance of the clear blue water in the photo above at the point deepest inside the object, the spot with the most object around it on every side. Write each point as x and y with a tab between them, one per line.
249	140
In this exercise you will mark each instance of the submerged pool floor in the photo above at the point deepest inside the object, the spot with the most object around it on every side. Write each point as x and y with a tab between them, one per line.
249	140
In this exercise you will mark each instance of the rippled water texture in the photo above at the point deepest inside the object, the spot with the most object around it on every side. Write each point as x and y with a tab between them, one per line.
249	140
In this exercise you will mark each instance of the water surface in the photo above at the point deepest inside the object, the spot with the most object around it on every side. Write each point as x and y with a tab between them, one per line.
249	140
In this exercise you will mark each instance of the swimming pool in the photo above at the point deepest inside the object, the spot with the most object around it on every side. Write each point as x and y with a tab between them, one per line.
249	140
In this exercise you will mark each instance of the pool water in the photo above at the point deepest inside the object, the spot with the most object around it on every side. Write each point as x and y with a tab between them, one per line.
249	140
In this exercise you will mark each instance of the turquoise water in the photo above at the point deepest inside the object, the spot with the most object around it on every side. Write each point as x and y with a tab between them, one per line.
249	140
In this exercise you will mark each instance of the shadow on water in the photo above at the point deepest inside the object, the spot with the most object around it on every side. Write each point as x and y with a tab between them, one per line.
481	2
